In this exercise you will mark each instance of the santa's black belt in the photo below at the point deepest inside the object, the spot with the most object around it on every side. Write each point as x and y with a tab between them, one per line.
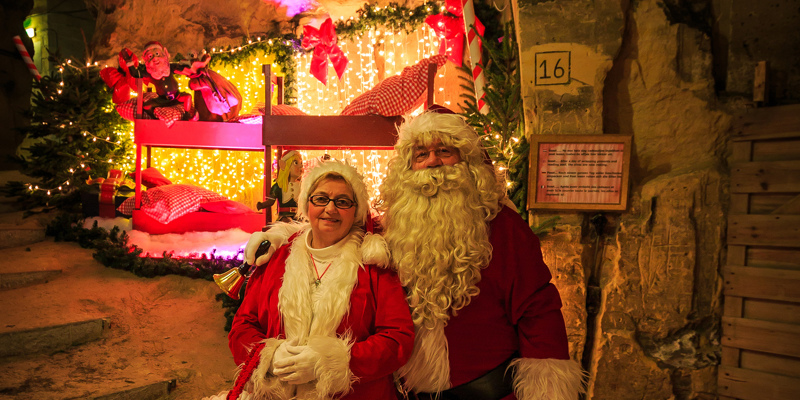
493	385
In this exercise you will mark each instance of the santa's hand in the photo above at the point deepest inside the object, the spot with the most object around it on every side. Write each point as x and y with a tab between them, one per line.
299	368
254	243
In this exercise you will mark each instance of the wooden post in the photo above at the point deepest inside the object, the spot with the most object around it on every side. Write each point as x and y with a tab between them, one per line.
760	90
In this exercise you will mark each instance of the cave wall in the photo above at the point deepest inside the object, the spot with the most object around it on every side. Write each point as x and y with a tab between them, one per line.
650	69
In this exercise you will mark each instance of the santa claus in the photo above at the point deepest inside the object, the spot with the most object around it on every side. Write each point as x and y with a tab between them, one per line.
479	291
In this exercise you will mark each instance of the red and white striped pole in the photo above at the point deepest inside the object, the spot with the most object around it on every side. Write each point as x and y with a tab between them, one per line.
26	57
475	52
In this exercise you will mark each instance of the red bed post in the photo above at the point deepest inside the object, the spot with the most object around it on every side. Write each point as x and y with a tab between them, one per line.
266	68
431	76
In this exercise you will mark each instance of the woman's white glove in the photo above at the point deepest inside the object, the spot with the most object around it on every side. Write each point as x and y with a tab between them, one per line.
300	367
278	235
280	355
252	245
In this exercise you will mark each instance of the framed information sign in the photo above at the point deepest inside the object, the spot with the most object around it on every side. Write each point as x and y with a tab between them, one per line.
579	172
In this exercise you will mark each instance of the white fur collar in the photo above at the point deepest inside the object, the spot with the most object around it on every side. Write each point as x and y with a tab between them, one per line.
307	311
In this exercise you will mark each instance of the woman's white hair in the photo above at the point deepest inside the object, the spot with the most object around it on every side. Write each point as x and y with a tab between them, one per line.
331	168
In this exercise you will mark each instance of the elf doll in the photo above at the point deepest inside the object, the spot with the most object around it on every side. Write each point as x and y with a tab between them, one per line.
287	185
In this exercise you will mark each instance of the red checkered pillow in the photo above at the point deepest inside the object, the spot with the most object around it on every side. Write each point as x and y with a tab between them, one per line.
278	109
168	202
152	177
254	117
396	95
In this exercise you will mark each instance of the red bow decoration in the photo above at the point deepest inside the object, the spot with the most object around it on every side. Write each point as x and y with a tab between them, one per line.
451	30
324	43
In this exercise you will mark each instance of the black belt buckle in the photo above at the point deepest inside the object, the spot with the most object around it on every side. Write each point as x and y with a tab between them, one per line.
493	385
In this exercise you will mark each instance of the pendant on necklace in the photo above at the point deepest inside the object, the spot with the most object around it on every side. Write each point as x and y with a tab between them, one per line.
317	282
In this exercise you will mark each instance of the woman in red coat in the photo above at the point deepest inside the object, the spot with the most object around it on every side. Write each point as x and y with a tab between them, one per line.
321	320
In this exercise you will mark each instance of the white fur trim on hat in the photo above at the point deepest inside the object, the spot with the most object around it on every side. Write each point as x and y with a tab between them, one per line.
352	177
547	379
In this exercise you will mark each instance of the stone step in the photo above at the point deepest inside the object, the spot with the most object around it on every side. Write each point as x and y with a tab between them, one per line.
13	280
50	339
15	235
10	204
153	391
19	229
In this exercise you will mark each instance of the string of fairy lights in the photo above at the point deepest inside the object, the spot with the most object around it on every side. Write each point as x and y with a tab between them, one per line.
239	174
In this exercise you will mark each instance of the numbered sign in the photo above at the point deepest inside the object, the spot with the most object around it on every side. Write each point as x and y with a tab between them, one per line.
552	68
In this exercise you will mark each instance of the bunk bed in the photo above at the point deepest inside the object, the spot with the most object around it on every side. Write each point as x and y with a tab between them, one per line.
282	132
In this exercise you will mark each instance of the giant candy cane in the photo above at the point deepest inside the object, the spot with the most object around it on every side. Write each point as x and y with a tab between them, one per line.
26	57
475	52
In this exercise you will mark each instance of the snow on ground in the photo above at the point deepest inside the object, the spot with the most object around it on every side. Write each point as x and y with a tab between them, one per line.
191	244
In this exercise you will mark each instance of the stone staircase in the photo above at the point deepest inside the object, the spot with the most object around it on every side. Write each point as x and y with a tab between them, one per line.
71	328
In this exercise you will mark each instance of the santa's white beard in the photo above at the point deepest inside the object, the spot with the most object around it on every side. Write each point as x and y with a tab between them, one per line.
436	229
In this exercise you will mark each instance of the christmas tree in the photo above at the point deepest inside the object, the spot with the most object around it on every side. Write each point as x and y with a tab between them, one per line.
502	124
76	135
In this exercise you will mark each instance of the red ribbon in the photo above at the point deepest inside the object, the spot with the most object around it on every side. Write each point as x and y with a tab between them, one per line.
324	43
451	30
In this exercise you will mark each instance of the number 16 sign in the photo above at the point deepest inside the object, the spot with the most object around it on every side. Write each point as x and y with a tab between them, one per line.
552	68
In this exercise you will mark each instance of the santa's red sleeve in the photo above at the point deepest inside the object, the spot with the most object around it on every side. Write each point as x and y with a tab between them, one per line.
534	307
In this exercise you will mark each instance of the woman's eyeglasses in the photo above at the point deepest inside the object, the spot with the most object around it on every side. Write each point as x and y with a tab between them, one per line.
320	200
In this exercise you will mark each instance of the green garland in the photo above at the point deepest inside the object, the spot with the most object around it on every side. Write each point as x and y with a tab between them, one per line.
394	16
284	48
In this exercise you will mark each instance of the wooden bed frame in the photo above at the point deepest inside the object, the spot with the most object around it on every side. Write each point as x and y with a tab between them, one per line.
286	132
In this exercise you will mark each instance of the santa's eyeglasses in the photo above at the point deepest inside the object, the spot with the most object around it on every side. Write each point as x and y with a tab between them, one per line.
321	200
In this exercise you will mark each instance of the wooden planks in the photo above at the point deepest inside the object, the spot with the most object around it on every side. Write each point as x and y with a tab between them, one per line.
755	385
762	283
764	336
768	123
764	230
766	177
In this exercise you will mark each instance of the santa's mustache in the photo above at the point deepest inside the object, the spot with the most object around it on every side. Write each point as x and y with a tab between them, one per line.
430	181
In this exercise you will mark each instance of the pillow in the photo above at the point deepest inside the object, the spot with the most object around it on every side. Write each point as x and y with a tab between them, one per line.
396	95
254	117
225	207
277	109
152	177
169	202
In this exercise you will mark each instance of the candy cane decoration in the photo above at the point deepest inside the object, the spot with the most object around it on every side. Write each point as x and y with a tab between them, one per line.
26	57
475	53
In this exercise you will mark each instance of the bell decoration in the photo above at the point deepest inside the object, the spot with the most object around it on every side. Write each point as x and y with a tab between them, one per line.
231	282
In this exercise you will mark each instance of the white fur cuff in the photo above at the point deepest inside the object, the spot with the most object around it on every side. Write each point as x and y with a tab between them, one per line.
374	250
333	368
547	379
266	385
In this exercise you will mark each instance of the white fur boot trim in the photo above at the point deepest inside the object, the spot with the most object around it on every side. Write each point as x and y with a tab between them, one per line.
547	379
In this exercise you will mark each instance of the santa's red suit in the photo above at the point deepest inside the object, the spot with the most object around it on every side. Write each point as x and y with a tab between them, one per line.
357	318
517	314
